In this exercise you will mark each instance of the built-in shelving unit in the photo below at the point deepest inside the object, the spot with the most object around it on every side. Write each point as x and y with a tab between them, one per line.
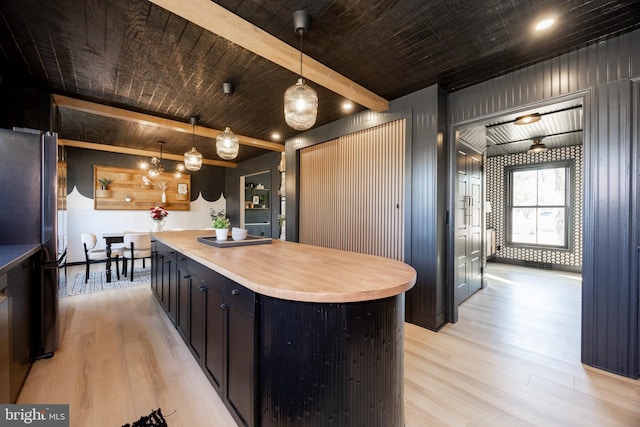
255	213
132	189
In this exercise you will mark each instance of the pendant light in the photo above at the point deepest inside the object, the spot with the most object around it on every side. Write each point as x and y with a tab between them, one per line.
227	144
300	100
193	159
157	162
537	146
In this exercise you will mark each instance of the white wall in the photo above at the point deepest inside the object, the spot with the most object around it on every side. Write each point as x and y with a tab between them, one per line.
83	218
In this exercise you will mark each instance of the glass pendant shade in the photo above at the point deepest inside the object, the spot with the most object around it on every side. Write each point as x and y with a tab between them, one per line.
227	145
193	159
300	106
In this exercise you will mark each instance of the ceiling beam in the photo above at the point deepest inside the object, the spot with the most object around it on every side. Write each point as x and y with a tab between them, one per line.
137	152
149	120
220	21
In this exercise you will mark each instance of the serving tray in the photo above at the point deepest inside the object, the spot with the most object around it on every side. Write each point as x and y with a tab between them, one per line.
250	240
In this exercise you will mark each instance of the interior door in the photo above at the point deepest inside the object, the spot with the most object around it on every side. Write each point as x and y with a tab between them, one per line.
468	227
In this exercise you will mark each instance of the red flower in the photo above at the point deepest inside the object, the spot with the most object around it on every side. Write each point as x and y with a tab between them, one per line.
158	213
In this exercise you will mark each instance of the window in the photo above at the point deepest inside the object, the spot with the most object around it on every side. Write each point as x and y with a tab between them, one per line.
538	205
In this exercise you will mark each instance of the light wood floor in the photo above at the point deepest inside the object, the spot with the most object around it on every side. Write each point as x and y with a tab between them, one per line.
513	359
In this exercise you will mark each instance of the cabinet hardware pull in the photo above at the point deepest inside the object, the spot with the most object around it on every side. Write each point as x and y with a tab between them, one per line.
188	276
223	306
235	292
202	288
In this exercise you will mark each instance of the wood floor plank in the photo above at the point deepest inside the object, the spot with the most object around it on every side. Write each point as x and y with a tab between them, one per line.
513	359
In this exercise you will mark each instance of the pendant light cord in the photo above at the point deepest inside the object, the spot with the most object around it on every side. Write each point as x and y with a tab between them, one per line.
301	32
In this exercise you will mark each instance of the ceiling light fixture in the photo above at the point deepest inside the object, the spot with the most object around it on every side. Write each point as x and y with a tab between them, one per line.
537	146
227	144
544	24
300	100
157	162
193	159
347	106
528	119
275	136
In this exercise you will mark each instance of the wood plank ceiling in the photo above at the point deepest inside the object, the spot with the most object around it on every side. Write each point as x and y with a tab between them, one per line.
135	55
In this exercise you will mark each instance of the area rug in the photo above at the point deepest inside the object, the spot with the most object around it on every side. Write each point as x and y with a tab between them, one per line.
98	281
155	418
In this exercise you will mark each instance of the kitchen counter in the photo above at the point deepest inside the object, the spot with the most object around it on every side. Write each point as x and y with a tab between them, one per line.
288	333
11	255
298	272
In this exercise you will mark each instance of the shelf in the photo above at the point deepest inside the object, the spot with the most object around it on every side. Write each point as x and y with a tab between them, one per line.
257	223
256	209
256	189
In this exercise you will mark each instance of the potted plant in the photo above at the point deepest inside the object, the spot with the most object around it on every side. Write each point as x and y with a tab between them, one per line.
103	191
220	224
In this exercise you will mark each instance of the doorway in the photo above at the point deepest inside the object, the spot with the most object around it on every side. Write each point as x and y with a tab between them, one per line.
505	146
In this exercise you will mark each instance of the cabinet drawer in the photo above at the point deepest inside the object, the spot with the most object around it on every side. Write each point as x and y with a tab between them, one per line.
239	295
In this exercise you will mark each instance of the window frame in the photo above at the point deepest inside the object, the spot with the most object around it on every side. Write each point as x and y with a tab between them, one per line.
568	203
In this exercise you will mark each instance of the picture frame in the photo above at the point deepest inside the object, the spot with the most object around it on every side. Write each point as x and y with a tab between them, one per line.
256	200
183	188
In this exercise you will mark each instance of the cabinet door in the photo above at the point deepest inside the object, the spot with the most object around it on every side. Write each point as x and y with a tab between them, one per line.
241	372
184	286
19	292
197	294
172	304
166	279
155	271
214	336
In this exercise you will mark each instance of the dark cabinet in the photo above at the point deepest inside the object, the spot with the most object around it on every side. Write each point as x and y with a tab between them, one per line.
16	329
216	318
240	389
183	284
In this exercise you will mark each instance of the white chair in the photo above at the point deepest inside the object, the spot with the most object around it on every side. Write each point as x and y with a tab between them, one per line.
93	254
137	246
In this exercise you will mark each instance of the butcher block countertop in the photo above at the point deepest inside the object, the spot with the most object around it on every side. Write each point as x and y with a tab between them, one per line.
297	272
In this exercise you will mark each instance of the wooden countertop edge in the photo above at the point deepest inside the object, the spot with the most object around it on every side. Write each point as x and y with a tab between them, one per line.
289	293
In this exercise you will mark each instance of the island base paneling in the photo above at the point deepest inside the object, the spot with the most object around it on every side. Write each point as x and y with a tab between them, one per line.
331	364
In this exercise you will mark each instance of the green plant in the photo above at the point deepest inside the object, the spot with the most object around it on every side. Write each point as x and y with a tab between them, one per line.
104	182
218	220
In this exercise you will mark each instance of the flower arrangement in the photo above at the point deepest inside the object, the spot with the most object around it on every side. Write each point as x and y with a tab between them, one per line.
219	221
158	213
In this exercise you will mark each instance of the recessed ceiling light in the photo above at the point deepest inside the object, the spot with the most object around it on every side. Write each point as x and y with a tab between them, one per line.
275	136
528	119
347	106
544	24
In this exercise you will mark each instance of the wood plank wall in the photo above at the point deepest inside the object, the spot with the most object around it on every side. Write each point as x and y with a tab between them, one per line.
602	73
352	192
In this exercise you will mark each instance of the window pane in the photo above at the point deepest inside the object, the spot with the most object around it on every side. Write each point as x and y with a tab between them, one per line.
525	188
523	223
551	186
551	226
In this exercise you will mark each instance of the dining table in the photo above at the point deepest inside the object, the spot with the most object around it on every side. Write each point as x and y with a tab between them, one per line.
109	239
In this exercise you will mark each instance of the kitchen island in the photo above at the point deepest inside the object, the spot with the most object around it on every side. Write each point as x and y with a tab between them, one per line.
289	334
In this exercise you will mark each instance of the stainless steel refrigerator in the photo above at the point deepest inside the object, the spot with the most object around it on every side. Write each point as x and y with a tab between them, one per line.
28	214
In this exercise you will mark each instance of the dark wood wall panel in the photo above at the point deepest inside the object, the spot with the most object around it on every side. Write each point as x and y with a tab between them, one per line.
601	73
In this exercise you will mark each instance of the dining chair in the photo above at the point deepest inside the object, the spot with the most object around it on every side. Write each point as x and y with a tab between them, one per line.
137	246
93	254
